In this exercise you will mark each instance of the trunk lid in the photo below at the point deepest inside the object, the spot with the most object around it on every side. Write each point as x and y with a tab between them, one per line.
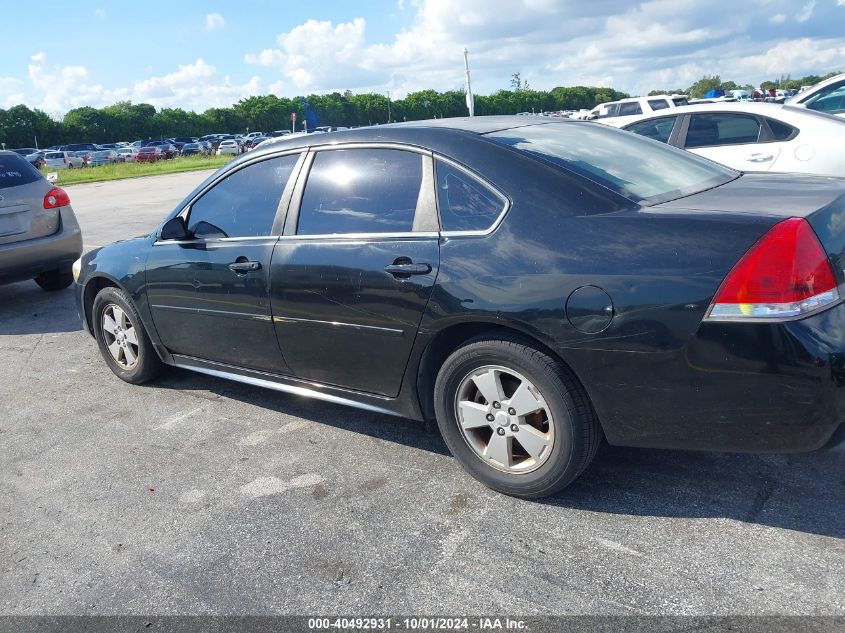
773	197
22	212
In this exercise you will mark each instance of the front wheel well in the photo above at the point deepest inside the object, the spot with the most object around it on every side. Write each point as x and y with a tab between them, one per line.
451	338
92	288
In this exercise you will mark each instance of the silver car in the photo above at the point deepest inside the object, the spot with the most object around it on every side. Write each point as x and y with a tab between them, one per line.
39	235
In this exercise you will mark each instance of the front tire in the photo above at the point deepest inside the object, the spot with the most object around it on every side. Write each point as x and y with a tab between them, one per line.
514	418
122	339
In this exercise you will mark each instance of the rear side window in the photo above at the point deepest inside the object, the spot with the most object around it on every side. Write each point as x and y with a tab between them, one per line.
657	129
631	108
16	171
706	130
244	203
658	104
465	204
361	191
781	131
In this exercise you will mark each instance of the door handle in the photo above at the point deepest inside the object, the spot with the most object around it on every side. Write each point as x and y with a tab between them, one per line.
408	269
244	266
759	158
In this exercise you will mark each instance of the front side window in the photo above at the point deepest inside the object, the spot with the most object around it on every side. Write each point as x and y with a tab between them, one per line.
244	203
707	130
657	129
465	204
361	191
658	104
642	171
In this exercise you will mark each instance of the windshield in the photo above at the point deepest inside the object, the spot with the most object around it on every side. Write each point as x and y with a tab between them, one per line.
642	170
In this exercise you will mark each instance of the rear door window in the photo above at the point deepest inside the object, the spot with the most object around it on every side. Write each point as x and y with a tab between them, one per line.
361	191
16	171
243	204
658	104
465	203
708	130
781	131
657	129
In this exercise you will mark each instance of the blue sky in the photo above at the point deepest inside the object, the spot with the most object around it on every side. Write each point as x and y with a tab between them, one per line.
191	54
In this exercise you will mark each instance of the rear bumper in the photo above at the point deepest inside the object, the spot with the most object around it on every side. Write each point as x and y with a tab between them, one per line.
776	387
29	258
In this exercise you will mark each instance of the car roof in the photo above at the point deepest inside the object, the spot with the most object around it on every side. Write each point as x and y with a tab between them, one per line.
425	133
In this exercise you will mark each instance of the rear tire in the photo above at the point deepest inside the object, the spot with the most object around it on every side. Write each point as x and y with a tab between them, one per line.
122	339
58	279
515	419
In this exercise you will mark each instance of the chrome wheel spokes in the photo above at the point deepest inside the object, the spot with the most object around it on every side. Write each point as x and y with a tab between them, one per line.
504	419
120	336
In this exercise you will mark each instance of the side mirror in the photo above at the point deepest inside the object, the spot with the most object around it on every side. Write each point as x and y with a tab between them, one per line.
175	229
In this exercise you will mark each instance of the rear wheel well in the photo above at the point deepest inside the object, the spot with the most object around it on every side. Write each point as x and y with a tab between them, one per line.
451	338
92	288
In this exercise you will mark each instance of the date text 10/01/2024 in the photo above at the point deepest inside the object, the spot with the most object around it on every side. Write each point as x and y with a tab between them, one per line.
415	624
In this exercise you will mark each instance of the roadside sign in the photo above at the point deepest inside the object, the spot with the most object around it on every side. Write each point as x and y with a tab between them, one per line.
293	116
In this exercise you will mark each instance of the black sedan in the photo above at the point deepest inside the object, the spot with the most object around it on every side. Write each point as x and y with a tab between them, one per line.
533	286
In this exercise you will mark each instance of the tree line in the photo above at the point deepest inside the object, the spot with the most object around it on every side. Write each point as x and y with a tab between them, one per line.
20	125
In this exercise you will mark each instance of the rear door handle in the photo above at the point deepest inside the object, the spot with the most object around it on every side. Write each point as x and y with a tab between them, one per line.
759	158
402	270
244	266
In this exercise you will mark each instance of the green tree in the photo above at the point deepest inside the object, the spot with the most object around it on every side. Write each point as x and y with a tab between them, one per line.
703	86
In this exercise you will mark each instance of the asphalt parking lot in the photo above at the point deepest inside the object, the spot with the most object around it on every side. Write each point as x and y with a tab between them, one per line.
197	495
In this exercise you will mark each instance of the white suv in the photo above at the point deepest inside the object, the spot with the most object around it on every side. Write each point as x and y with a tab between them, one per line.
634	106
62	160
826	96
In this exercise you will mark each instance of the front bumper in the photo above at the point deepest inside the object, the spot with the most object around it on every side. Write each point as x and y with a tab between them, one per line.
29	258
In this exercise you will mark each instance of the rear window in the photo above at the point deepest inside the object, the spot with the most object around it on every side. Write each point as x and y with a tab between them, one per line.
16	171
637	168
54	155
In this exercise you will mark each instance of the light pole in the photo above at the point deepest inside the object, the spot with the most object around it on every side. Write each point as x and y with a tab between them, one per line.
470	100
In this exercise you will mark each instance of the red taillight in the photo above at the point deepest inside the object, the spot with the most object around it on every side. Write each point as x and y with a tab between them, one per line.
785	274
56	197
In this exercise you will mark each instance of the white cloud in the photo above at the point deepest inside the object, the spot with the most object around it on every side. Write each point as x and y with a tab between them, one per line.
214	21
101	14
806	11
780	18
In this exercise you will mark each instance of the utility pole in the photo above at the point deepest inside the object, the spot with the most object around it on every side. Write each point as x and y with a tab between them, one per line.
388	106
470	100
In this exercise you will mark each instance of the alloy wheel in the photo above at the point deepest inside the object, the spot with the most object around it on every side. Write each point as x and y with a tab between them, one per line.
504	419
120	336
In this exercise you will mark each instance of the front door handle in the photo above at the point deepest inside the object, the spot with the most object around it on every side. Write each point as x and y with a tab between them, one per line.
759	158
242	265
407	269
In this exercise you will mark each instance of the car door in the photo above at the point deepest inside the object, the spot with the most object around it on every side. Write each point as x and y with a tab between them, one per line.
209	294
733	139
353	273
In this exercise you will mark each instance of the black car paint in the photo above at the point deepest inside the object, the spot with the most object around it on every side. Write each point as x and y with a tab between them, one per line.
657	375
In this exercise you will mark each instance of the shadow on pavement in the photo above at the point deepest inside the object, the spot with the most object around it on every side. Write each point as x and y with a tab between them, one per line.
804	492
27	309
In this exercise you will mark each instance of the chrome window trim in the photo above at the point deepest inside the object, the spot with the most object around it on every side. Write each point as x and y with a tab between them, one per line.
214	240
362	236
423	201
504	199
284	198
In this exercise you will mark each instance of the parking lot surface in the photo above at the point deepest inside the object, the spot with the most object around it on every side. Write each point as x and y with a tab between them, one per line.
197	495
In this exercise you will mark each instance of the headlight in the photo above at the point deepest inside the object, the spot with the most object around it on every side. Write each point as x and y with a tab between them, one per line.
76	269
